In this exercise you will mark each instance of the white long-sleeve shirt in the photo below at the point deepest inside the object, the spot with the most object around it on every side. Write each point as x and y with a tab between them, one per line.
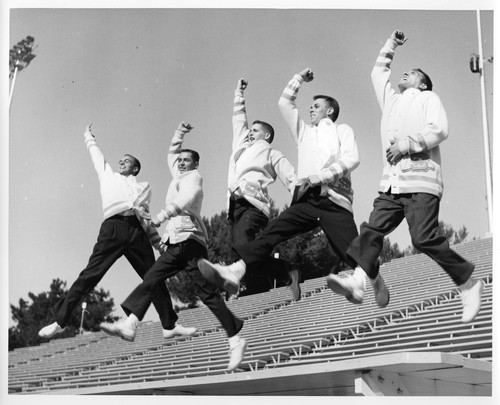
183	200
121	193
417	122
328	150
254	166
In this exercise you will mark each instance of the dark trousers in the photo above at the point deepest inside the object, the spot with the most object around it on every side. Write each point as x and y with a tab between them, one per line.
247	222
118	236
178	257
308	213
421	211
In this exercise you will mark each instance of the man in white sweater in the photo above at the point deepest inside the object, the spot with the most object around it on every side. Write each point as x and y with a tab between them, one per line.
253	166
328	153
185	239
126	231
414	124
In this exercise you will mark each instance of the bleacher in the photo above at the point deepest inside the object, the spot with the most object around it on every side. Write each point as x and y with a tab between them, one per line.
322	334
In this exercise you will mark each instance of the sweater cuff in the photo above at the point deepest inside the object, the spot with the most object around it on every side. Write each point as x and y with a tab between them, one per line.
390	43
299	78
326	176
238	93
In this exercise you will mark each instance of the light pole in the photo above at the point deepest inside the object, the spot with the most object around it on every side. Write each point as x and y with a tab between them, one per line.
477	66
84	306
20	57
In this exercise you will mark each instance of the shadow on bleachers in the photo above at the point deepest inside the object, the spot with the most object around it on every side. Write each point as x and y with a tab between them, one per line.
284	335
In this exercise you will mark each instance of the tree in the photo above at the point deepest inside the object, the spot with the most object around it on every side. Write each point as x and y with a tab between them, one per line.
31	317
390	251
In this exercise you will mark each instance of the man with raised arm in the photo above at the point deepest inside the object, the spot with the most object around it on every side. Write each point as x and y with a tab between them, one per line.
414	123
253	166
185	241
126	231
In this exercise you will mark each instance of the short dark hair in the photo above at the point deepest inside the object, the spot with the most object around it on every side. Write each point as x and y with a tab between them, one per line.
332	103
267	127
427	80
136	163
195	155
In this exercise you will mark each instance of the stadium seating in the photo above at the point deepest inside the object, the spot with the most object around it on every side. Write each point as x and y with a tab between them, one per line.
322	328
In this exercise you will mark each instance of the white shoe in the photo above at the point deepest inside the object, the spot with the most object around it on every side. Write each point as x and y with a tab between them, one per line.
471	298
227	277
294	285
351	286
236	353
50	331
120	329
380	290
179	330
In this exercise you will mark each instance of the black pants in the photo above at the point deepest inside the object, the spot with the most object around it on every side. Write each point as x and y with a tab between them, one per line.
118	236
247	222
421	211
178	257
308	213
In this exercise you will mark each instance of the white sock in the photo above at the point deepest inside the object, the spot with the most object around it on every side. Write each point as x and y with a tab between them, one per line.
132	321
359	273
239	268
233	341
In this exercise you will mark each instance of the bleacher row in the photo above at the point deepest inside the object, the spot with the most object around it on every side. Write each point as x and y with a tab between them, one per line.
423	315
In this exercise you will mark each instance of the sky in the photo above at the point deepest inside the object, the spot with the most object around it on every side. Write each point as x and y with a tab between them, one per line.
136	73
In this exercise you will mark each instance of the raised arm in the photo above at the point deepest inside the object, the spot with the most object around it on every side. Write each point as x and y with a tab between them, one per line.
382	70
286	103
96	154
240	123
176	146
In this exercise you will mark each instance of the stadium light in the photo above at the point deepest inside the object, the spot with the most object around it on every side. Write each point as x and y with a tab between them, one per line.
20	56
477	66
84	306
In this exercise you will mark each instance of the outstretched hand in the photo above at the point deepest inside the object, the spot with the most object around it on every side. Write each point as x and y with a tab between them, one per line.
307	74
242	84
399	37
185	126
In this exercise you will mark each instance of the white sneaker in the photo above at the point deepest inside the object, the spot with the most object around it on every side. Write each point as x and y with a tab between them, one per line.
294	285
50	331
120	329
236	353
179	330
227	277
351	286
471	293
380	290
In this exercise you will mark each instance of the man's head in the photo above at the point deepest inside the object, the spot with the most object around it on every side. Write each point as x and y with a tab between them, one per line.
415	78
322	107
261	130
129	165
188	160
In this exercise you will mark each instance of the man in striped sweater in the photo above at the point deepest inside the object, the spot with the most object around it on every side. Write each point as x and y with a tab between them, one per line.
328	153
126	231
253	166
185	239
414	124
